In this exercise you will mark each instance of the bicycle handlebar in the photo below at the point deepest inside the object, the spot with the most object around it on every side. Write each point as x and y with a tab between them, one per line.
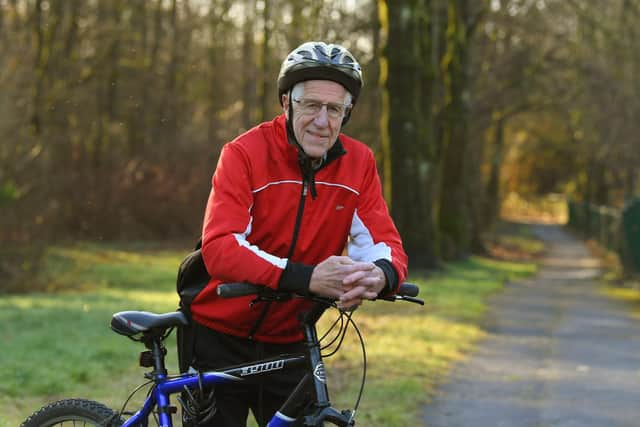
233	290
408	290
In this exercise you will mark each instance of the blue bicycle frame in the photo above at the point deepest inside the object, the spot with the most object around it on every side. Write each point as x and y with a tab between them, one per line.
164	387
153	327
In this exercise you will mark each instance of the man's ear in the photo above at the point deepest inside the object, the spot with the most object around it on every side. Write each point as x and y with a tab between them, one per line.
285	104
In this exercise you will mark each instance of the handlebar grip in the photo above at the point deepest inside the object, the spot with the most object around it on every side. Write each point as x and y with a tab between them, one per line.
233	290
409	290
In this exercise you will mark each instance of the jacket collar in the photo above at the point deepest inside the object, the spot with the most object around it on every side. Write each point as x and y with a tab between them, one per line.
283	132
308	171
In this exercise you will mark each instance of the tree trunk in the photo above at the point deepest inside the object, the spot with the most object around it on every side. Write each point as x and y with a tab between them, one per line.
601	189
216	80
294	32
153	123
267	78
248	69
411	168
36	115
385	144
169	110
454	220
137	111
492	199
431	94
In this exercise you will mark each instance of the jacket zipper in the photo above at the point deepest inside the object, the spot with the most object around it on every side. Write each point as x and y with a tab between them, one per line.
294	239
296	227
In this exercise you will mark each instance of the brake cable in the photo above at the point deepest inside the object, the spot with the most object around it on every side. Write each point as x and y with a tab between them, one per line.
342	330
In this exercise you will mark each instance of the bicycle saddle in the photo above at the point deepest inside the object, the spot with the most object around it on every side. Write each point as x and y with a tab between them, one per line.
130	323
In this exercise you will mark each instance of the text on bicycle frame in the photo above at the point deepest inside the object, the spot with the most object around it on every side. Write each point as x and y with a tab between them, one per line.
262	367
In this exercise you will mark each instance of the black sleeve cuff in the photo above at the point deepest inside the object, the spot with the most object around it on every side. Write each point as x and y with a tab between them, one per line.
391	275
296	277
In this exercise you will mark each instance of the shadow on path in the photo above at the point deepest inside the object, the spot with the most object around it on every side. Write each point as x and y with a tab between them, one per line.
558	353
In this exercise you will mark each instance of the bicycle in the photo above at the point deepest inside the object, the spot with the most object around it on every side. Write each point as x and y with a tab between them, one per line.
198	404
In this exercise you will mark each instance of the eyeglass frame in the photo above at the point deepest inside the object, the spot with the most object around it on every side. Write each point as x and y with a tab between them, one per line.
340	110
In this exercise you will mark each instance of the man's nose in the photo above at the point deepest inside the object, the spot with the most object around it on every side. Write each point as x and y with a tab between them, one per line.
322	118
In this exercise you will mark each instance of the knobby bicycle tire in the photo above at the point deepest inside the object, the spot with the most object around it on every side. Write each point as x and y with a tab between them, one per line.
88	412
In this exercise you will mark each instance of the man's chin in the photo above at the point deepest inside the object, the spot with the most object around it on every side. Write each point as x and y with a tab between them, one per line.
316	151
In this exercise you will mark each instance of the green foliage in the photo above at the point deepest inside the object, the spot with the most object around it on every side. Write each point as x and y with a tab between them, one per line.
133	108
8	193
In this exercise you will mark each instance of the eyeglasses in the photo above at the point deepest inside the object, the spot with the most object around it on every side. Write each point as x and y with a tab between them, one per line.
312	107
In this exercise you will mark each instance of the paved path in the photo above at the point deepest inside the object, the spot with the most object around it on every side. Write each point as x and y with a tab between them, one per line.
558	353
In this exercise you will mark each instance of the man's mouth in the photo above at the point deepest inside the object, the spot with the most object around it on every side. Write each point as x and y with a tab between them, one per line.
317	135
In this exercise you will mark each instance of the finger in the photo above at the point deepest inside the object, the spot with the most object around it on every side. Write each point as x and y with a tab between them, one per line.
353	278
363	267
366	266
370	295
355	293
343	260
364	292
333	293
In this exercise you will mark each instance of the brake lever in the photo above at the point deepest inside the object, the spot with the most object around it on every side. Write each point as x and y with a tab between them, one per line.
394	298
410	299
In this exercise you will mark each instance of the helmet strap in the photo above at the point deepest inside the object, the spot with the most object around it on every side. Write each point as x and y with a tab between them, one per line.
304	160
346	117
291	135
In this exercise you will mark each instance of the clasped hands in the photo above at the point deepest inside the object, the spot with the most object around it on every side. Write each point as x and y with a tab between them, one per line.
348	281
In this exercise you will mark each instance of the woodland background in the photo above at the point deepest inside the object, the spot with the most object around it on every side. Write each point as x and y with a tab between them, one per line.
113	112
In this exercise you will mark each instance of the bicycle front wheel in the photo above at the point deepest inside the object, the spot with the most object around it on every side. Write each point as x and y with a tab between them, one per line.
74	412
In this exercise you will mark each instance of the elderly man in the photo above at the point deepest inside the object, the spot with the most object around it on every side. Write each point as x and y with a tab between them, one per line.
289	199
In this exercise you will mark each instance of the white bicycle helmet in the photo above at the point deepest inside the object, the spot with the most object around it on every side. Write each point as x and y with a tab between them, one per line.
320	61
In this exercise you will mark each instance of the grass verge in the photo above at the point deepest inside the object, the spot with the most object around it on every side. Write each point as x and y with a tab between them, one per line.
58	344
615	284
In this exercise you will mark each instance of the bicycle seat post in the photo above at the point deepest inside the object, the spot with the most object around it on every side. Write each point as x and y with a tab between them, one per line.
159	375
158	351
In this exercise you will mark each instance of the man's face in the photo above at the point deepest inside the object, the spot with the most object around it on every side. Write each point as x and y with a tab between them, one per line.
317	131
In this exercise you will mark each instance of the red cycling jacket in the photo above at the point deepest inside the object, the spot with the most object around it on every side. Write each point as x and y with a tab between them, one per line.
263	226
